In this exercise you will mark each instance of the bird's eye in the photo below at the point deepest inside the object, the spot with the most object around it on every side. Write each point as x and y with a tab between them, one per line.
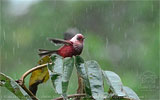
78	38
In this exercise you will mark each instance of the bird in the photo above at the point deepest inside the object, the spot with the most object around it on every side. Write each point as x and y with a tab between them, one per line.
70	48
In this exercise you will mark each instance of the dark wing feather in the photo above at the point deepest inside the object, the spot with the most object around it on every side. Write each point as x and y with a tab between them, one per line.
43	50
59	41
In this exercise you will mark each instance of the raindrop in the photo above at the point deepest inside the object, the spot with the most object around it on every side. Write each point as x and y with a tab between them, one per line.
128	54
55	29
113	14
119	29
139	64
19	60
112	26
6	55
0	51
143	29
4	34
44	44
88	53
91	7
106	42
17	44
86	10
125	35
14	36
153	25
113	5
152	7
133	20
13	51
144	53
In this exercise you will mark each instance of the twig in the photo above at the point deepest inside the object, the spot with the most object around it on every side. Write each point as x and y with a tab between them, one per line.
80	89
29	92
71	96
21	80
31	70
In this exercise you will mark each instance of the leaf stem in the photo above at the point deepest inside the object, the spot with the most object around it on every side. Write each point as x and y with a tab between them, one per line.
31	70
21	80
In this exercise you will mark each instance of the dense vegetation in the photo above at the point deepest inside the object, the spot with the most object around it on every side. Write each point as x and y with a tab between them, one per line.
90	80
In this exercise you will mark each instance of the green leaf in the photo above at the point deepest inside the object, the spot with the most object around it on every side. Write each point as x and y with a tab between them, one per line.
60	73
68	64
12	86
130	93
95	79
80	67
115	83
56	71
81	70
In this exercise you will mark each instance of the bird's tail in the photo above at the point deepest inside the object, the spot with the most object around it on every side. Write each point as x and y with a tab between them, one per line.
46	52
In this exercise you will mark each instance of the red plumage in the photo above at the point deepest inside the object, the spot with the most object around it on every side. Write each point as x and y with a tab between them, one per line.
71	47
66	51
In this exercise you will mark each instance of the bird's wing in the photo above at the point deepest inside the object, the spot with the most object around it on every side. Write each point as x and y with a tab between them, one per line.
59	41
43	50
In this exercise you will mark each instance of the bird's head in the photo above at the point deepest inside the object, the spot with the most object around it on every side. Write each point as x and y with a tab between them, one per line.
78	37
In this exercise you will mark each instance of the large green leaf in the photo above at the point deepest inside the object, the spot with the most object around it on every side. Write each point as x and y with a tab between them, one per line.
95	79
81	70
115	83
12	86
68	64
130	93
56	71
80	67
60	73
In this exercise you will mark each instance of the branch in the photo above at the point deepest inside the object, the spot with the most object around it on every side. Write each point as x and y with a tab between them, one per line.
29	92
30	71
71	96
21	80
80	89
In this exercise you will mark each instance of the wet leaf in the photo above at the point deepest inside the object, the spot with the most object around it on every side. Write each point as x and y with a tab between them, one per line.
115	83
39	76
95	80
68	64
81	70
56	71
61	73
130	93
13	87
80	67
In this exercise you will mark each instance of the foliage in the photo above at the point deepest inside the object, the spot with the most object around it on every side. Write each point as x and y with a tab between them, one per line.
13	87
60	72
95	79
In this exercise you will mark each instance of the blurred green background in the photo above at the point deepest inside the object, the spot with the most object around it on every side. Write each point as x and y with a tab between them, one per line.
122	36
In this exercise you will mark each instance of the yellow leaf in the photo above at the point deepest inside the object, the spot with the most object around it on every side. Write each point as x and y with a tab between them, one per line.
39	76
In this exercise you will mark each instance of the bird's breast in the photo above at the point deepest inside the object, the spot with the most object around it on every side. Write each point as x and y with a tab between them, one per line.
66	51
78	49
